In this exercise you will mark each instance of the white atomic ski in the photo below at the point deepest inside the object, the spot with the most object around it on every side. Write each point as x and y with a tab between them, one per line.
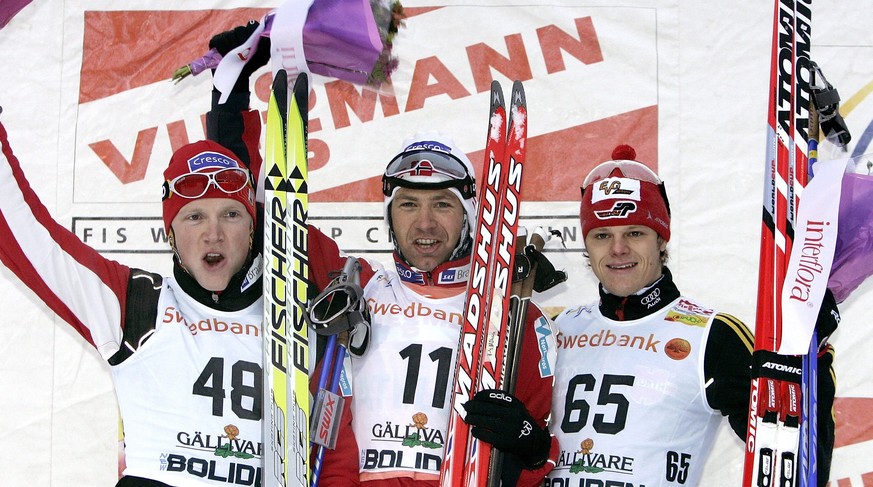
775	416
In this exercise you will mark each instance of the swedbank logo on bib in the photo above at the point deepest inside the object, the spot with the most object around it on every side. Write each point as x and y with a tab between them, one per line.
210	325
606	338
413	310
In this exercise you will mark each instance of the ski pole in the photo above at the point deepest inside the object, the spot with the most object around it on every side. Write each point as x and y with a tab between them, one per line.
336	312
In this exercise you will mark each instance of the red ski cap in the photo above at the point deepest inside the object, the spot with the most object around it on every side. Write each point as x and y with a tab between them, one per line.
205	169
624	192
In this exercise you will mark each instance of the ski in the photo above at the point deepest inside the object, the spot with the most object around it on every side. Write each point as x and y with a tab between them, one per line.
481	270
298	278
286	378
482	345
775	415
275	293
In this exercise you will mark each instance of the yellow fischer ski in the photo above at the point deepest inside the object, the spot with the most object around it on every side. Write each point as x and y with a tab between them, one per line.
286	354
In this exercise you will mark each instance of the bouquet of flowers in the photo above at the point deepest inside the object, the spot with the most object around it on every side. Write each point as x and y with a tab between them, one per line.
346	39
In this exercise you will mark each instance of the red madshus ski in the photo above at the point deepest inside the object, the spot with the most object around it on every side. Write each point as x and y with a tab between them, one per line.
774	404
481	352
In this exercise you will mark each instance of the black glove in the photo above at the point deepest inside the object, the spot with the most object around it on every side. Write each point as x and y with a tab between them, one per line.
547	277
499	418
229	40
828	319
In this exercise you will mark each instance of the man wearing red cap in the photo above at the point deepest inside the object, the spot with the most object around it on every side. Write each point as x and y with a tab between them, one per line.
184	350
644	375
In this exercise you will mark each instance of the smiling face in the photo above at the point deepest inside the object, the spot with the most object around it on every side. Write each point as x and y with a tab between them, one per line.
212	238
427	225
625	258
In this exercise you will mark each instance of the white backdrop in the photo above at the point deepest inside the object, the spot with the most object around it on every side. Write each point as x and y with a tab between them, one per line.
684	82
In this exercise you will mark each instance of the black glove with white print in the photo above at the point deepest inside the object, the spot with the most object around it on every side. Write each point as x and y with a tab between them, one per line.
226	41
501	419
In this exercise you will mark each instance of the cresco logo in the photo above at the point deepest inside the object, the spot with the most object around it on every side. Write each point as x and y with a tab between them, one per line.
408	274
210	159
428	145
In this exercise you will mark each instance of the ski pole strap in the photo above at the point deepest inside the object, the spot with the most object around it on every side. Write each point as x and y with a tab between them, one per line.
827	101
779	400
340	307
336	309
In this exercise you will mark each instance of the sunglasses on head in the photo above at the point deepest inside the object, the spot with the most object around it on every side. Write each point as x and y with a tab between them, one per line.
426	164
195	184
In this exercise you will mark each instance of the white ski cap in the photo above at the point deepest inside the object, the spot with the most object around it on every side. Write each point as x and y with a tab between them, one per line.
432	160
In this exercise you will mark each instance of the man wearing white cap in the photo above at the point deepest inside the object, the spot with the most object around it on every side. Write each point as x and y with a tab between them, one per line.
403	383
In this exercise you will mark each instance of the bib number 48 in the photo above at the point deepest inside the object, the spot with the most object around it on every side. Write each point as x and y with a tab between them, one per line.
246	382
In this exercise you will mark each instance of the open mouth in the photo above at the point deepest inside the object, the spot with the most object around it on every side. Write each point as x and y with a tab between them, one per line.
213	258
623	266
425	242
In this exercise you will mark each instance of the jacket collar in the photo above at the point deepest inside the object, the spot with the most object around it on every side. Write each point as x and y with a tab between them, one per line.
451	273
647	301
244	288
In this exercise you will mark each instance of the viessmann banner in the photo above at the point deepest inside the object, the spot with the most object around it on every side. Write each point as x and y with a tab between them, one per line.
565	56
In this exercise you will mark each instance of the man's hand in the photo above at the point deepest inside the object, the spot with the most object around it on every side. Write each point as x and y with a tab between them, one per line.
828	319
502	420
226	41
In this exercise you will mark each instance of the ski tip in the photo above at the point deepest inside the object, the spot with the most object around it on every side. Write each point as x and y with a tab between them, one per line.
300	105
518	97
496	96
302	82
280	93
301	92
280	79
